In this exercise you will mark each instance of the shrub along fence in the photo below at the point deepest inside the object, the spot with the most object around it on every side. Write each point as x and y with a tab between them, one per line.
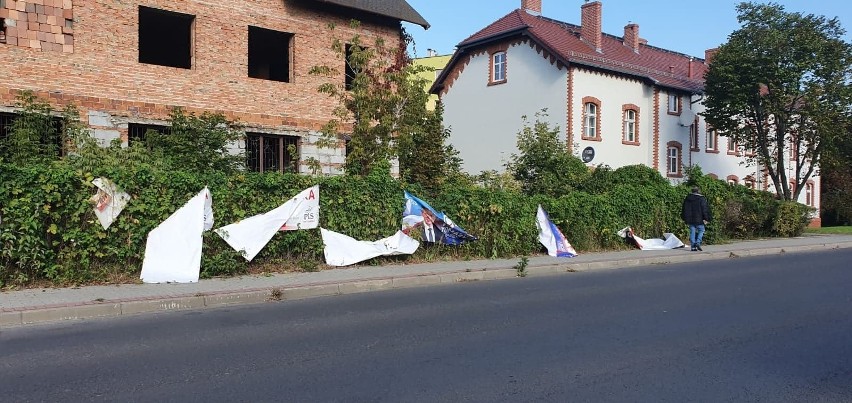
48	230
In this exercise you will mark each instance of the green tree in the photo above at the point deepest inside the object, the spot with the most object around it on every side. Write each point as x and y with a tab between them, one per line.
836	181
382	106
544	166
425	158
36	135
779	87
198	143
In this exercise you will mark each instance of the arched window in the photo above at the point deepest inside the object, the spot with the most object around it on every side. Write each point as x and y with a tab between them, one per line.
591	122
674	152
630	129
733	180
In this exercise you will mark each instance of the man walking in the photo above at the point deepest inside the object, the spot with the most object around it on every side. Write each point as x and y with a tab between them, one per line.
696	213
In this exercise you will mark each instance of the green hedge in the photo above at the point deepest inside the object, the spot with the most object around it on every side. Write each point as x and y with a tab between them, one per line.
49	232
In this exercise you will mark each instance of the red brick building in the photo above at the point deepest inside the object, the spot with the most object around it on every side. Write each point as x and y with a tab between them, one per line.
126	63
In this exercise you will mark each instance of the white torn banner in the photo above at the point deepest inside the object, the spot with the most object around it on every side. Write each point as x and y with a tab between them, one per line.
343	250
551	237
250	236
173	249
109	201
669	240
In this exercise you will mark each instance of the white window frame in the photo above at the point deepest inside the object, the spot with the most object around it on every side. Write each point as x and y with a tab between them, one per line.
674	103
498	67
591	129
712	136
673	155
630	125
732	146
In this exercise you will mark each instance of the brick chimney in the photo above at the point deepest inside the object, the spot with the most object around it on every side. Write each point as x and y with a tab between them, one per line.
590	28
708	55
631	36
531	6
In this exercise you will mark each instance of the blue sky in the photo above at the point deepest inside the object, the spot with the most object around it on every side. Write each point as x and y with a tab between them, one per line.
686	26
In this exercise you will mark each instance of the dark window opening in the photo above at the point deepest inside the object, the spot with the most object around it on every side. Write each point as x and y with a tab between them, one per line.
269	54
138	133
2	30
53	137
165	38
350	69
272	153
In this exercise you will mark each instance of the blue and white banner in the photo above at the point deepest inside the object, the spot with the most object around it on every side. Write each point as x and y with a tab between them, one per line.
434	226
551	237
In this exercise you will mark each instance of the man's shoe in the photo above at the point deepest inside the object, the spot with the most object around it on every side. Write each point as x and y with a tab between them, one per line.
699	248
693	249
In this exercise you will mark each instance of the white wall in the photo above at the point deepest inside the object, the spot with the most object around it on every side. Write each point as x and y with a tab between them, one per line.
485	120
613	93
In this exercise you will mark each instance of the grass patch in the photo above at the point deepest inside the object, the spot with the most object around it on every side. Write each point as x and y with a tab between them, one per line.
844	230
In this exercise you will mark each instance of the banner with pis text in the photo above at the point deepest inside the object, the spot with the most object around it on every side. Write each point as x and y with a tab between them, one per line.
434	226
551	237
249	236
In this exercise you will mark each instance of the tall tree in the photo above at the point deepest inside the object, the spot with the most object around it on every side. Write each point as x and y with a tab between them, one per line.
778	88
382	107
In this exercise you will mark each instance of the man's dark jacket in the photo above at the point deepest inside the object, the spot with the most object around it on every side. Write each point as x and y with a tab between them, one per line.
695	209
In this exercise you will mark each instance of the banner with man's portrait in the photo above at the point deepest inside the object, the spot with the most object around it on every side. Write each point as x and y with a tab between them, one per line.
435	227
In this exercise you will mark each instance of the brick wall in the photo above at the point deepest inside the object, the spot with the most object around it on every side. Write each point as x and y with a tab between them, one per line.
100	73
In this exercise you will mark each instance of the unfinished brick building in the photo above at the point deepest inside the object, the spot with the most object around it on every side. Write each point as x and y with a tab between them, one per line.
126	63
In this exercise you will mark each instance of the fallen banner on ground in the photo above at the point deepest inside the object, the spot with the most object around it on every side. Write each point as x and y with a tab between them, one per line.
250	236
551	237
435	227
109	201
343	250
173	249
669	240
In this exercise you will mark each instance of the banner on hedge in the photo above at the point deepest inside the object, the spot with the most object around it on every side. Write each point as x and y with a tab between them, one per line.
669	240
250	236
109	201
434	227
551	237
173	249
343	250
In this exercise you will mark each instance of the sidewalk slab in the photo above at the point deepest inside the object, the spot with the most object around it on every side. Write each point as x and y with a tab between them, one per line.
56	304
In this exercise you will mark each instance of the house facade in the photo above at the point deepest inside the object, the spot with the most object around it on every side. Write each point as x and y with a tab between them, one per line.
126	63
435	64
617	100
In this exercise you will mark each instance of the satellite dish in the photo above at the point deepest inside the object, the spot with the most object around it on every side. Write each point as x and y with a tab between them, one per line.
687	117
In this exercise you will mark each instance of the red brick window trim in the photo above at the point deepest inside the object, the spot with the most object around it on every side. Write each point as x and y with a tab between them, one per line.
749	182
675	104
630	131
809	194
674	159
497	72
694	136
733	180
591	119
733	148
712	141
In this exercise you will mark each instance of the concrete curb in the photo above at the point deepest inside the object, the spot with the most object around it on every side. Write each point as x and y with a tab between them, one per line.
111	308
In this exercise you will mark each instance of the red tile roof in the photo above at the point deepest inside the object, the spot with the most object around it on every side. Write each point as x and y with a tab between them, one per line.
662	67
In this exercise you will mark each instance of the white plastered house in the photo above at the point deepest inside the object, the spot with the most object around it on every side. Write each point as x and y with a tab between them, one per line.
617	99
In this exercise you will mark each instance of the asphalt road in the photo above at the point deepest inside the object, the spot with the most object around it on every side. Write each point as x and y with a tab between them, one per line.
775	328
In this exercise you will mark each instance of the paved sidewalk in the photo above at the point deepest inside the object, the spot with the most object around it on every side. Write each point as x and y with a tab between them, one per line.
54	304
